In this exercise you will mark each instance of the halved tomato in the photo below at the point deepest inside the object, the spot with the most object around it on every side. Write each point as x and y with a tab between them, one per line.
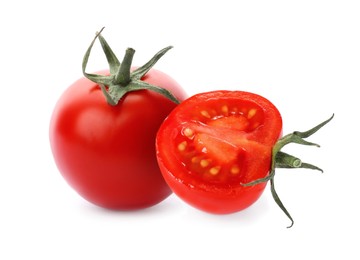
213	143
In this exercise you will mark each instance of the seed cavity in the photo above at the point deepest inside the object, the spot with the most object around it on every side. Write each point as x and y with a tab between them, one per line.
251	113
182	146
215	170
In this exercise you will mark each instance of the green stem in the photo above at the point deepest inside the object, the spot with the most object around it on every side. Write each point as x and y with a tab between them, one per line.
284	160
122	77
121	80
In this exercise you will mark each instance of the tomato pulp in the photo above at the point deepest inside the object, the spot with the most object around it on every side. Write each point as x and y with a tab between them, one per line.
107	153
213	143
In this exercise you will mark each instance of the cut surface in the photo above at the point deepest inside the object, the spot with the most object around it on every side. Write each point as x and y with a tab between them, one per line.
219	140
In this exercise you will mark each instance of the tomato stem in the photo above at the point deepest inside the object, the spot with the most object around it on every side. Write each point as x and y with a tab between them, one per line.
284	160
122	77
121	80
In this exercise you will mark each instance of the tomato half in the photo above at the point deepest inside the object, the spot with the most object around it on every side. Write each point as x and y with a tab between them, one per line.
107	153
213	143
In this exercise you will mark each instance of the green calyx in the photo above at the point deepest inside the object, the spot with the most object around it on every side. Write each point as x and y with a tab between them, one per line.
121	80
284	160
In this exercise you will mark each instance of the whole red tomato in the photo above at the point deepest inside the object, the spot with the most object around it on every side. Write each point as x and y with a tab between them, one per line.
106	150
217	150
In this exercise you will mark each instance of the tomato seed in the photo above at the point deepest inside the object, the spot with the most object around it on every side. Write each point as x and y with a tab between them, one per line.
182	146
225	109
188	132
205	113
251	113
235	169
204	163
195	159
215	170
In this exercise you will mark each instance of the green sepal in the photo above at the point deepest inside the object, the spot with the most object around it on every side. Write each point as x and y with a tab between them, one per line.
284	160
99	79
139	85
279	202
121	80
109	99
111	58
141	71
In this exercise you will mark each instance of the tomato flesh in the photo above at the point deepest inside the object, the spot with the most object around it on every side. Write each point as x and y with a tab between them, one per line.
219	140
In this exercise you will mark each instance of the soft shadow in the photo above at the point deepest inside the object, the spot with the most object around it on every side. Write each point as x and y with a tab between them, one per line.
166	206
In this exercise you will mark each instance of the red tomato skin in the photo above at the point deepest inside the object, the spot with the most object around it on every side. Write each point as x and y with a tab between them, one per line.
211	197
213	200
107	153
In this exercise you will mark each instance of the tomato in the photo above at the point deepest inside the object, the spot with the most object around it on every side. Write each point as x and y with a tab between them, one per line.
213	143
106	152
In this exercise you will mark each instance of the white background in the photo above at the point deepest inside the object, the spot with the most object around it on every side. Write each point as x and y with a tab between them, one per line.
302	55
